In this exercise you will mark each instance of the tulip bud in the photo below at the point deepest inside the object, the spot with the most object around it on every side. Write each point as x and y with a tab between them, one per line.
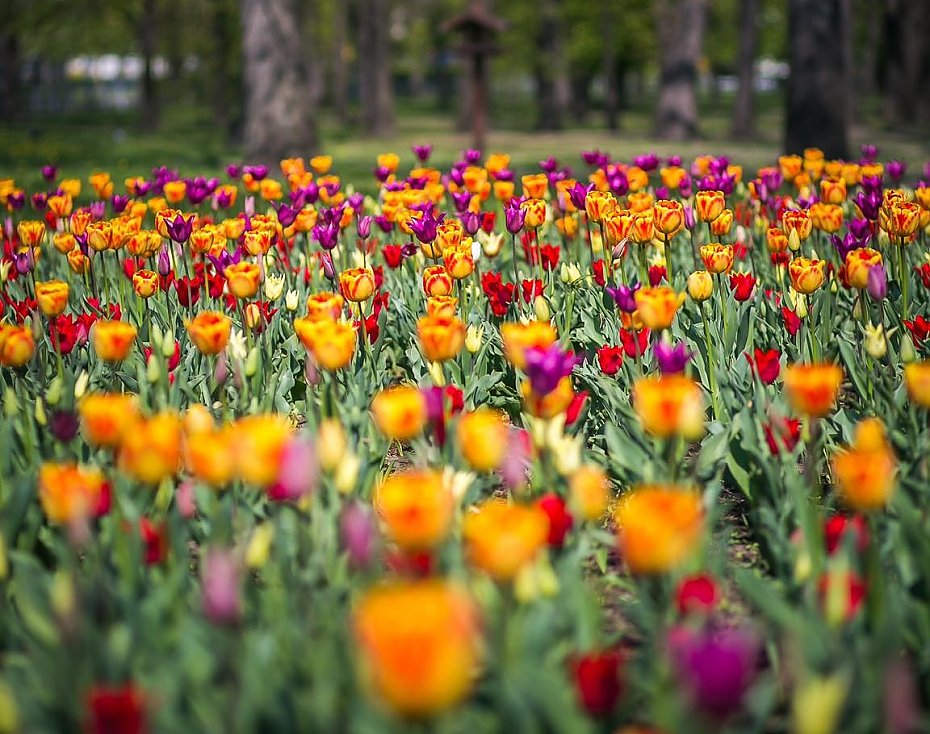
5	268
9	714
877	283
274	287
164	262
221	373
10	403
61	595
80	385
801	308
700	286
347	473
794	241
256	554
331	444
53	394
40	416
541	307
817	703
252	362
435	373
153	371
875	344
359	533
908	353
168	345
473	337
291	300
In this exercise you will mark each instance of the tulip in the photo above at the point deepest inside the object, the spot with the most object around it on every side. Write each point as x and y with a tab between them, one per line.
145	283
700	286
440	339
52	297
546	366
859	264
671	359
297	471
332	343
865	472
501	539
877	283
113	340
400	412
357	284
806	275
220	577
416	508
242	279
659	527
325	306
657	306
482	439
813	389
359	533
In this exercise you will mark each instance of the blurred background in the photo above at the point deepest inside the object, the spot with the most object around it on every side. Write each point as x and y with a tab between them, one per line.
126	85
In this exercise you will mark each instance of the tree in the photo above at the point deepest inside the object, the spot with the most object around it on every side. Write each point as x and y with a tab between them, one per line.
817	113
744	106
279	118
549	68
376	84
680	28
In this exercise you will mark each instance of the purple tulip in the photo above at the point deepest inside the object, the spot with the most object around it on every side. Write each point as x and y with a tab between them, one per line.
869	153
222	199
549	165
869	201
363	226
164	262
685	187
674	160
578	194
716	667
39	201
329	270
618	182
594	158
356	200
49	173
690	221
297	471
861	229
119	202
471	222
896	170
455	175
624	296
505	174
662	192
257	172
877	284
286	214
425	227
220	579
648	162
671	359
311	193
25	262
359	533
16	200
63	425
515	217
409	250
326	234
221	372
394	186
461	200
384	224
180	229
233	171
422	152
545	367
382	173
472	156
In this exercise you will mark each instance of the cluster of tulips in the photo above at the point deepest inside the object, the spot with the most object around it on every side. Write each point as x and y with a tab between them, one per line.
638	447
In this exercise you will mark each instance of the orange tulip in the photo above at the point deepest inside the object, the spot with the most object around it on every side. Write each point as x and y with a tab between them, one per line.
904	219
642	229
175	191
535	185
806	275
209	330
437	281
259	444
588	493
113	340
657	306
776	240
917	382
458	261
419	645
717	258
52	296
16	345
790	166
708	205
332	343
617	226
797	221
865	473
812	389
357	284
659	527
209	456
151	451
482	438
598	203
669	405
550	405
519	337
78	261
64	242
668	217
832	191
826	217
641	202
145	283
400	412
672	176
31	232
416	508
325	306
535	212
442	307
69	493
722	224
501	538
858	264
60	205
106	417
242	279
441	339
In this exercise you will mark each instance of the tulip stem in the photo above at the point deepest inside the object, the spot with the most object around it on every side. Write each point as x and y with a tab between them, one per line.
669	266
902	276
711	360
516	276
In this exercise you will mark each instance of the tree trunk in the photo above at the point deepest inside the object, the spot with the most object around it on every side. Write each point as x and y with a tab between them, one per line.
148	38
818	85
680	32
339	69
744	112
375	81
220	82
279	119
609	67
12	106
552	83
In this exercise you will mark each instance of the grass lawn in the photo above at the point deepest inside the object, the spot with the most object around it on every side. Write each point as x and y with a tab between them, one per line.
189	141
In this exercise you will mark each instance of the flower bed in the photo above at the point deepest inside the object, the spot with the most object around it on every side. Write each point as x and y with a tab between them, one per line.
280	456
